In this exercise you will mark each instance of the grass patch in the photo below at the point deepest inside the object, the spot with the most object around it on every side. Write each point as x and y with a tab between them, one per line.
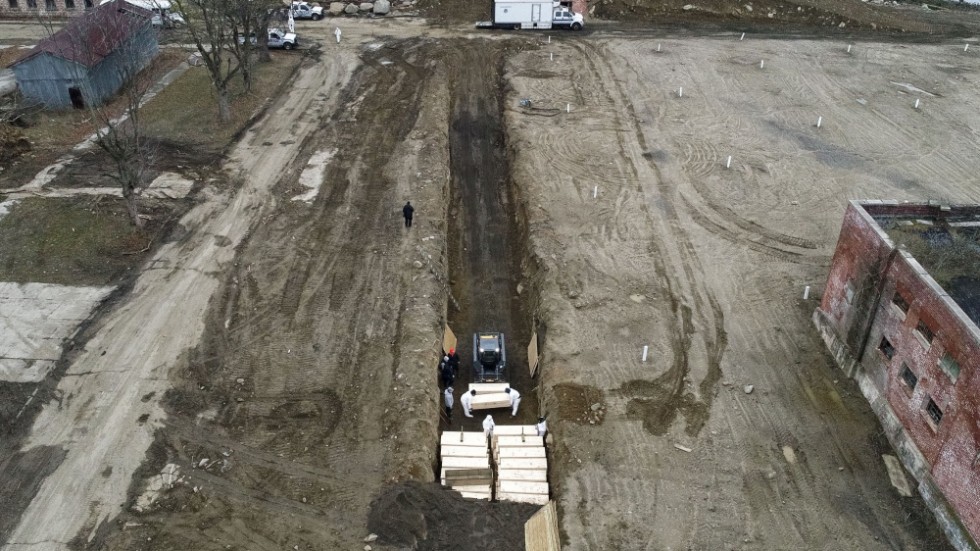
52	133
73	241
187	111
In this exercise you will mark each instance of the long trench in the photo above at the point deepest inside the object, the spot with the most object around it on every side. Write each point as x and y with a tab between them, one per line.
484	242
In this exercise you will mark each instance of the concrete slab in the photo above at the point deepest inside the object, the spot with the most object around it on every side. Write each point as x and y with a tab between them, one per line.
35	318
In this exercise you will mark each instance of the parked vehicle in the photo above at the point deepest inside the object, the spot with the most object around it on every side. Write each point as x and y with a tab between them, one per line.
303	10
277	39
532	14
163	12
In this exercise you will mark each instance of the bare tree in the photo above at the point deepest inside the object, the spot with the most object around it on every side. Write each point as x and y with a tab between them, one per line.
217	37
116	36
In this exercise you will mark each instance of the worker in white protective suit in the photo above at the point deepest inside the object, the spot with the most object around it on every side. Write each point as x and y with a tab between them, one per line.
515	400
447	397
542	427
488	425
466	400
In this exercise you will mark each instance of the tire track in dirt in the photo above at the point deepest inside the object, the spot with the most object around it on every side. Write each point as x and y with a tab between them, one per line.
699	337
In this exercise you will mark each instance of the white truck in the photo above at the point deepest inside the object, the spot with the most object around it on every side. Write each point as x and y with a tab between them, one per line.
303	10
532	14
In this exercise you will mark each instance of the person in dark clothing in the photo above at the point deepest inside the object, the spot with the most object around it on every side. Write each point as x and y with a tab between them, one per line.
454	360
446	374
408	211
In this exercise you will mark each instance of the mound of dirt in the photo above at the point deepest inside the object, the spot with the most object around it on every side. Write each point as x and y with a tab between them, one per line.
429	517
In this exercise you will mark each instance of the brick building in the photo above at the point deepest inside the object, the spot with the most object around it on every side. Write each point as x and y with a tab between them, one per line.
912	342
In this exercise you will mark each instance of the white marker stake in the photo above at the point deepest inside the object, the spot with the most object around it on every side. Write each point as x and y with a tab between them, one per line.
848	48
680	92
658	46
645	352
552	56
743	37
762	64
568	107
966	47
819	121
595	192
806	292
549	39
728	164
336	32
916	104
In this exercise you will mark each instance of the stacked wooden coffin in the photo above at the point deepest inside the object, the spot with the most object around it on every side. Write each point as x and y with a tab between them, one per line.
466	464
522	466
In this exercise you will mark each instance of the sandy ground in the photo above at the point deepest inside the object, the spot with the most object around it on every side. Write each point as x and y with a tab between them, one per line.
281	354
706	266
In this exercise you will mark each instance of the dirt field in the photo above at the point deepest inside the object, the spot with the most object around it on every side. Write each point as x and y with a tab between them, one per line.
269	381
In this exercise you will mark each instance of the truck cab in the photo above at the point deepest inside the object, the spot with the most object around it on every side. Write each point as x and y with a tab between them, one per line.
489	357
302	10
279	39
564	18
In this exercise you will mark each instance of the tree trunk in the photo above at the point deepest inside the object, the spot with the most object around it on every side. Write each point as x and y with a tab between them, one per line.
132	206
224	104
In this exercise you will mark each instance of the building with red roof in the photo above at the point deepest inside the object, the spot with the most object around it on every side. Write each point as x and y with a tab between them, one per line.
90	58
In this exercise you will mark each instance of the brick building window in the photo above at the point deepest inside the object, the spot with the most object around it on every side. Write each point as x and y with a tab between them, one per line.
924	334
886	348
50	5
908	378
32	4
69	4
899	301
950	367
13	4
88	3
935	414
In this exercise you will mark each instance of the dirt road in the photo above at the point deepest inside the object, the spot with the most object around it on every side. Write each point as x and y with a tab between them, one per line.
93	435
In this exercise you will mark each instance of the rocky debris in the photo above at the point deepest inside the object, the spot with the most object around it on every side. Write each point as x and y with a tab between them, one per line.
382	7
365	6
351	9
336	8
748	389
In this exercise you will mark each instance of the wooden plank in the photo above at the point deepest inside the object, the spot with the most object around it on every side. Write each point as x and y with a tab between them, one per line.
514	430
527	475
517	441
536	464
466	473
455	477
450	438
463	451
466	462
490	401
475	495
532	354
535	499
541	530
504	453
488	388
522	487
448	340
472	488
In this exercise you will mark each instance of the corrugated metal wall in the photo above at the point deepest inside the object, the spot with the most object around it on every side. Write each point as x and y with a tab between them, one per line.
46	78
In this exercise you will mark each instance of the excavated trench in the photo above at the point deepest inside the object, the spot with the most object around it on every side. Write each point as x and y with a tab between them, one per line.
485	245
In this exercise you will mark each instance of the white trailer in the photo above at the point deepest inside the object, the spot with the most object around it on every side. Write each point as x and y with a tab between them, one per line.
531	14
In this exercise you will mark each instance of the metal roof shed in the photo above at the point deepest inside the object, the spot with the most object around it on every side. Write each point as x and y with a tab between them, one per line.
90	58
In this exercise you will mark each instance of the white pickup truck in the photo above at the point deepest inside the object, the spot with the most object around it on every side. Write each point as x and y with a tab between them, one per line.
277	39
303	10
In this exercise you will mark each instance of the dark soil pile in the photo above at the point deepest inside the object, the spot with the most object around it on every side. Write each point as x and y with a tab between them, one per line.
430	517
